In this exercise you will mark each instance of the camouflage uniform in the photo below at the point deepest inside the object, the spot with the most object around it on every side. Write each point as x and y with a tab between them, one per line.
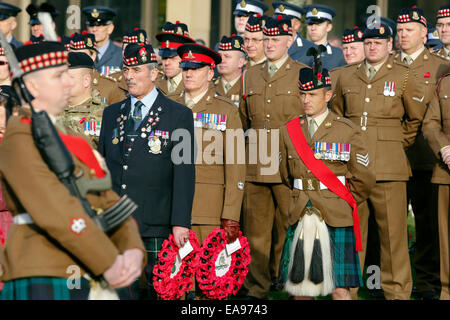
85	118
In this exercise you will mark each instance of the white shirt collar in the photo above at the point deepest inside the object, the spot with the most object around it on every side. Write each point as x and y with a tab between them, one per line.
414	55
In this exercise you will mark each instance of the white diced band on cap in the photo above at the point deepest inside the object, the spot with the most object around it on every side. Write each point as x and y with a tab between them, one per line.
319	15
289	13
250	8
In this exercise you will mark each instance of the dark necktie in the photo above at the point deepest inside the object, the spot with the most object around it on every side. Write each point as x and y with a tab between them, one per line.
137	114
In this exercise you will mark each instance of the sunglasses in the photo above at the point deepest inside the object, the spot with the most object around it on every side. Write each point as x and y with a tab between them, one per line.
3	63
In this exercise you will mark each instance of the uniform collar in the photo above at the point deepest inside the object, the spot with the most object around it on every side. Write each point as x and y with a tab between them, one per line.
319	119
102	50
413	56
279	63
197	98
253	63
177	79
231	83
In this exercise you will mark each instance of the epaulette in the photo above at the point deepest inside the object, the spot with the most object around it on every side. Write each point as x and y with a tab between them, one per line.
108	77
440	56
344	67
346	121
222	98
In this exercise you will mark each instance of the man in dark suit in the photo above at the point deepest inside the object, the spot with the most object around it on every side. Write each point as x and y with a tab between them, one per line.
140	140
8	23
99	21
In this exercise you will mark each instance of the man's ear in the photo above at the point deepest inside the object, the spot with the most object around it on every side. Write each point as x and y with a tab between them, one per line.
210	73
110	29
328	95
31	84
13	24
329	27
154	74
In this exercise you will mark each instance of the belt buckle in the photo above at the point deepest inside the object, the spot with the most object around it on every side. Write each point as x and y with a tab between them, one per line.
311	184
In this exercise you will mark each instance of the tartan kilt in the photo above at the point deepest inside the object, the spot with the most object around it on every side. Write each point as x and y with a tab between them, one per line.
43	288
346	267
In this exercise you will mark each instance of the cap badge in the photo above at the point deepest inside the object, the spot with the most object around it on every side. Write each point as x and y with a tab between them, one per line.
236	44
435	33
167	43
143	54
190	55
281	8
141	37
314	11
415	15
95	14
89	42
360	34
382	30
179	30
285	27
263	23
243	4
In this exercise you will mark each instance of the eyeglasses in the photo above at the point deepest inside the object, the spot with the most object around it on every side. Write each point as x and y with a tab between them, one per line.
3	63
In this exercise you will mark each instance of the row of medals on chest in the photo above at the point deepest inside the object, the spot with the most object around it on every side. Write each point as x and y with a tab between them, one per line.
146	131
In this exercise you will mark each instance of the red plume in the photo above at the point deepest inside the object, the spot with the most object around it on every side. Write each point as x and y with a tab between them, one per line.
279	17
84	32
136	29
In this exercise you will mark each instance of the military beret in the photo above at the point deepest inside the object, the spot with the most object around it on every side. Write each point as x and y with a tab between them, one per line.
33	11
278	26
318	13
443	12
233	43
383	32
249	7
352	35
287	9
98	15
8	10
370	22
194	56
256	23
42	55
138	54
135	35
413	14
83	40
65	40
80	60
172	36
309	80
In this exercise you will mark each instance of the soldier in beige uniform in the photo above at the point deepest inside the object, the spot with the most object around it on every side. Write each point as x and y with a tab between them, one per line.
436	128
380	96
84	113
443	28
425	70
229	85
107	86
172	36
271	98
219	179
338	144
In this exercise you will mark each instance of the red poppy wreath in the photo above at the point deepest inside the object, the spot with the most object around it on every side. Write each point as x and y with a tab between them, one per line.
173	276
220	275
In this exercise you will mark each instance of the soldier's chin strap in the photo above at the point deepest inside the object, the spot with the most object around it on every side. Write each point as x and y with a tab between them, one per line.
323	173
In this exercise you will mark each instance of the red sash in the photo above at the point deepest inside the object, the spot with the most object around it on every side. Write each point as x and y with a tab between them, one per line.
323	173
81	149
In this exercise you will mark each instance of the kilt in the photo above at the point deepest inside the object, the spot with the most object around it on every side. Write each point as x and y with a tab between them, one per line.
43	288
142	289
346	268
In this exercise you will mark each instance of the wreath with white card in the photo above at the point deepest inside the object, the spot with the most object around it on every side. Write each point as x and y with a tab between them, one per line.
222	267
173	274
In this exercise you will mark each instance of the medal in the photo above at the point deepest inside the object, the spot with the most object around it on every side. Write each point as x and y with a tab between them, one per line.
392	89
155	144
115	140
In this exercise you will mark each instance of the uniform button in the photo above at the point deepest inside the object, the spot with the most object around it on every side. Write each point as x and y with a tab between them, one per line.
124	186
125	167
129	149
289	92
367	99
363	128
364	113
268	116
268	130
369	86
132	139
427	82
270	85
268	101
